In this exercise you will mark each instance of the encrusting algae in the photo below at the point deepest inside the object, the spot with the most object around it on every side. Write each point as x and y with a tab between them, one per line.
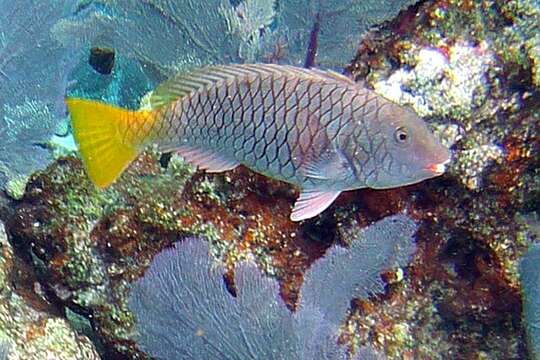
311	128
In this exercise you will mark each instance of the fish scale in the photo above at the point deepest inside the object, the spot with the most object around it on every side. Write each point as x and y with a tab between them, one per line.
248	112
315	129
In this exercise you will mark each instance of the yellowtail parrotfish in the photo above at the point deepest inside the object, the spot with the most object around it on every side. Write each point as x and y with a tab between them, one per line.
315	129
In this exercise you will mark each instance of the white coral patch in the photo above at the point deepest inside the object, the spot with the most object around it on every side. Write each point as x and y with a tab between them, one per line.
472	163
431	62
440	86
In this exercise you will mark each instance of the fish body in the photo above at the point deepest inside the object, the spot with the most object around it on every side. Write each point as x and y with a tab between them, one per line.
315	129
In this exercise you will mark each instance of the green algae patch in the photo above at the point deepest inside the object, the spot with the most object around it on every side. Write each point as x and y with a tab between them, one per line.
16	187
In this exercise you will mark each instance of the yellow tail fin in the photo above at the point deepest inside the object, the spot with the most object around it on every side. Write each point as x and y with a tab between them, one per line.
109	138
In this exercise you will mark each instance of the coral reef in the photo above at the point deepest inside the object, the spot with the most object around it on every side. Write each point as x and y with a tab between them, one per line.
80	269
471	68
530	281
463	65
91	244
34	328
183	301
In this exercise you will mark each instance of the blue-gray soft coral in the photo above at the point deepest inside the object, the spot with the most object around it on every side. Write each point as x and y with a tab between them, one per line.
33	74
172	35
354	272
529	271
188	33
4	350
184	310
341	25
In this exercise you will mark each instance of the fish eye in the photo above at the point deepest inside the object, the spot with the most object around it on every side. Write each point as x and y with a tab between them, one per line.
401	135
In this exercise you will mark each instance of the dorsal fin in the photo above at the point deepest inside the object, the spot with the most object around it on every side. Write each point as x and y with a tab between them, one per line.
185	83
178	86
332	75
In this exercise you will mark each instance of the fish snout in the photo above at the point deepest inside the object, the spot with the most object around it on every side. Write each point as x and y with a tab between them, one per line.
439	167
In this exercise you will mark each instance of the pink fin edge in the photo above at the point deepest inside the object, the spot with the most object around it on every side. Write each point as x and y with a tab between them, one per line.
311	203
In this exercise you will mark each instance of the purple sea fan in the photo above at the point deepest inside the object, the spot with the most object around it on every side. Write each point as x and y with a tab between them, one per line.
184	310
354	272
338	25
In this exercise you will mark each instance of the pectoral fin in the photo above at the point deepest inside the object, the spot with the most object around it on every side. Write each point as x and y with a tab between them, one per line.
331	164
311	203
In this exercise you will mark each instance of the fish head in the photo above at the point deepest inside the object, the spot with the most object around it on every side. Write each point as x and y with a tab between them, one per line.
403	150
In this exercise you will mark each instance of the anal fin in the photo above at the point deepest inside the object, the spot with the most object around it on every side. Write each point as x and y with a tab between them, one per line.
208	160
311	203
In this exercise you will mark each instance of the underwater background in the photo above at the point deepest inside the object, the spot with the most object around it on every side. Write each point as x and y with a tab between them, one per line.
174	263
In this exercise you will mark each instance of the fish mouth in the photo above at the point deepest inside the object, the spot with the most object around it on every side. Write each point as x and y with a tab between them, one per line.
439	168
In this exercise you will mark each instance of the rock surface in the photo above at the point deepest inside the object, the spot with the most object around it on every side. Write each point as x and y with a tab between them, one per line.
29	326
